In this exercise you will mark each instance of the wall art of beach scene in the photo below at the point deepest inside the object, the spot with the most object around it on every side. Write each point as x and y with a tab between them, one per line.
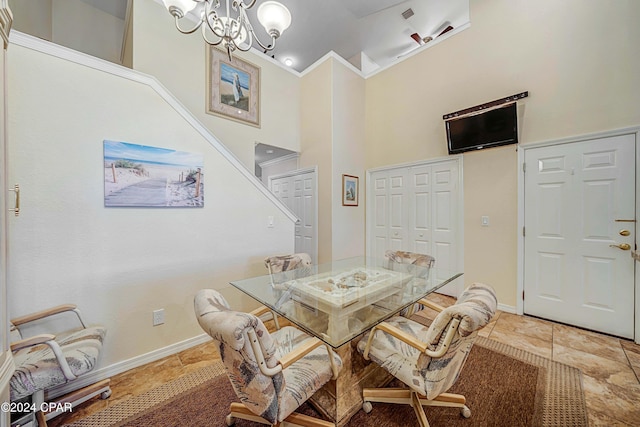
234	86
144	176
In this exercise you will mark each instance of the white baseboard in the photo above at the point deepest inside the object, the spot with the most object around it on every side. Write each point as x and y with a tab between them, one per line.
126	365
507	308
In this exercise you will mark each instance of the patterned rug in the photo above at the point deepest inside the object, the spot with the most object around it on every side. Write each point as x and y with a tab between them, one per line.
503	386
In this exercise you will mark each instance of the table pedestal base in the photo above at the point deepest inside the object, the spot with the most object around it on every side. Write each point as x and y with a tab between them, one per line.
339	400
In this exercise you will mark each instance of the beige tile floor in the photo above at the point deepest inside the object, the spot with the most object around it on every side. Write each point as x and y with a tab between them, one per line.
610	366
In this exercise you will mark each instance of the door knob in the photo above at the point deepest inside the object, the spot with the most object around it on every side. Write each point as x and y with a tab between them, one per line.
623	246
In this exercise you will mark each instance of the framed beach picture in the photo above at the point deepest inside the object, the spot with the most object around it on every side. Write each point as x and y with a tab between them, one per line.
145	176
349	190
233	87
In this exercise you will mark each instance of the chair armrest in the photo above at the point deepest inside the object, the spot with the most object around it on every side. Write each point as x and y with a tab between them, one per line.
49	340
31	341
46	313
403	336
260	311
398	333
299	352
304	349
432	305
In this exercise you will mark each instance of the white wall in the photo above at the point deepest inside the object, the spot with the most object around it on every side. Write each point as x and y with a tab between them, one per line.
119	264
178	61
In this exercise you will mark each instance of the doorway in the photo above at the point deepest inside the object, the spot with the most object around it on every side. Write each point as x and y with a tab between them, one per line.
579	229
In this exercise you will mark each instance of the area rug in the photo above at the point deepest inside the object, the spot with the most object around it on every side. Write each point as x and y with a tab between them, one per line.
504	386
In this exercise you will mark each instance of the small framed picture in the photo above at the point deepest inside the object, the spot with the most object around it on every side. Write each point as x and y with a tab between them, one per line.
349	190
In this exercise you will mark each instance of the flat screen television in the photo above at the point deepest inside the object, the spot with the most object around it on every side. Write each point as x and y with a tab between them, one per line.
491	128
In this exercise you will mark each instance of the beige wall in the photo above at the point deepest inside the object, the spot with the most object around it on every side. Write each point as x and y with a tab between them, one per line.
578	60
333	140
33	17
178	61
316	146
348	229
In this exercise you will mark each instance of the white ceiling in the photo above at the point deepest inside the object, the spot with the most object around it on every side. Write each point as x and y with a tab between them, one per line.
348	27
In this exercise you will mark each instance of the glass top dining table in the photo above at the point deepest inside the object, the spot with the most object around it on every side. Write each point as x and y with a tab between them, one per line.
340	300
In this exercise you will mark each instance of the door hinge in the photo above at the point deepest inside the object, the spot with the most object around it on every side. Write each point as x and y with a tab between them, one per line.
523	232
522	295
524	167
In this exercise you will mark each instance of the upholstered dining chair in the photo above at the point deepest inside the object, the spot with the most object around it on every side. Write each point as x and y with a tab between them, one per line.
272	374
278	264
46	361
428	359
410	262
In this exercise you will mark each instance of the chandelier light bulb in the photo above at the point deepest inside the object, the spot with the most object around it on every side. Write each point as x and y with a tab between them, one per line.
179	7
274	17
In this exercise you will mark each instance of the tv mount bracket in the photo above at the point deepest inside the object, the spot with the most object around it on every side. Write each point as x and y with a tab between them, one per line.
481	107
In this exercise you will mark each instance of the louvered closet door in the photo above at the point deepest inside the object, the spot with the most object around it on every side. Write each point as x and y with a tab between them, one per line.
417	209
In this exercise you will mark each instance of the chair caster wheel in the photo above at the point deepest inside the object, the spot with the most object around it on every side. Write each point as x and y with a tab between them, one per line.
230	420
105	394
466	412
367	407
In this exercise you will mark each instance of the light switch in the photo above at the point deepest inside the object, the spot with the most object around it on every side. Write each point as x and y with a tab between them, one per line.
485	221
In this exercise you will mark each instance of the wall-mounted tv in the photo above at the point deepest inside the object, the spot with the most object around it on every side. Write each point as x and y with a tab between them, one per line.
490	128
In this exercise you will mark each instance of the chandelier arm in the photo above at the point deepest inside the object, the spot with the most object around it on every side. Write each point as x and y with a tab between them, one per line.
189	31
213	28
204	36
270	47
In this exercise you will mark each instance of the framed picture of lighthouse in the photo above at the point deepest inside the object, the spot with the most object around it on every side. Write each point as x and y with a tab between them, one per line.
233	87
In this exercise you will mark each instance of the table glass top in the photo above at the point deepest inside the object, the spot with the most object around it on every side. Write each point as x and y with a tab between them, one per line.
338	301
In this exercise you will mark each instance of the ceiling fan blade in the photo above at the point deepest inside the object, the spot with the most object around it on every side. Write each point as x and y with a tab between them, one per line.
446	30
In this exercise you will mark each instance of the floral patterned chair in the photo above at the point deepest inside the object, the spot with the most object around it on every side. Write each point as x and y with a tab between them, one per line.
410	262
272	374
46	361
278	264
428	359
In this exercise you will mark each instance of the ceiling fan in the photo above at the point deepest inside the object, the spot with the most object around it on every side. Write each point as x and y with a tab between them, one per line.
443	29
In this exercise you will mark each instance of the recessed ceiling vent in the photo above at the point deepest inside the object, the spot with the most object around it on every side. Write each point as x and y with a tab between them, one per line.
407	13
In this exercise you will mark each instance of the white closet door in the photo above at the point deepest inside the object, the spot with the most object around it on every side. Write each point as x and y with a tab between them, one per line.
379	214
420	212
417	209
398	210
304	207
446	247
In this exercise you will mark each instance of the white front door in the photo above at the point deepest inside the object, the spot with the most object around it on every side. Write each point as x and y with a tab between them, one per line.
579	230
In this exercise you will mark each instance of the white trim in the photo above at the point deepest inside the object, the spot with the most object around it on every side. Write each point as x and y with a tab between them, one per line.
126	365
279	160
127	24
292	173
71	55
420	49
507	308
521	207
6	370
441	159
338	58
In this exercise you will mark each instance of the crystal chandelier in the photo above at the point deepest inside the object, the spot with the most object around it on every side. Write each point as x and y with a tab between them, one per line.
231	27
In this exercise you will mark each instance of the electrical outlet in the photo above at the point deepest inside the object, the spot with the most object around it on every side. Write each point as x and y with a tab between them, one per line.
158	317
